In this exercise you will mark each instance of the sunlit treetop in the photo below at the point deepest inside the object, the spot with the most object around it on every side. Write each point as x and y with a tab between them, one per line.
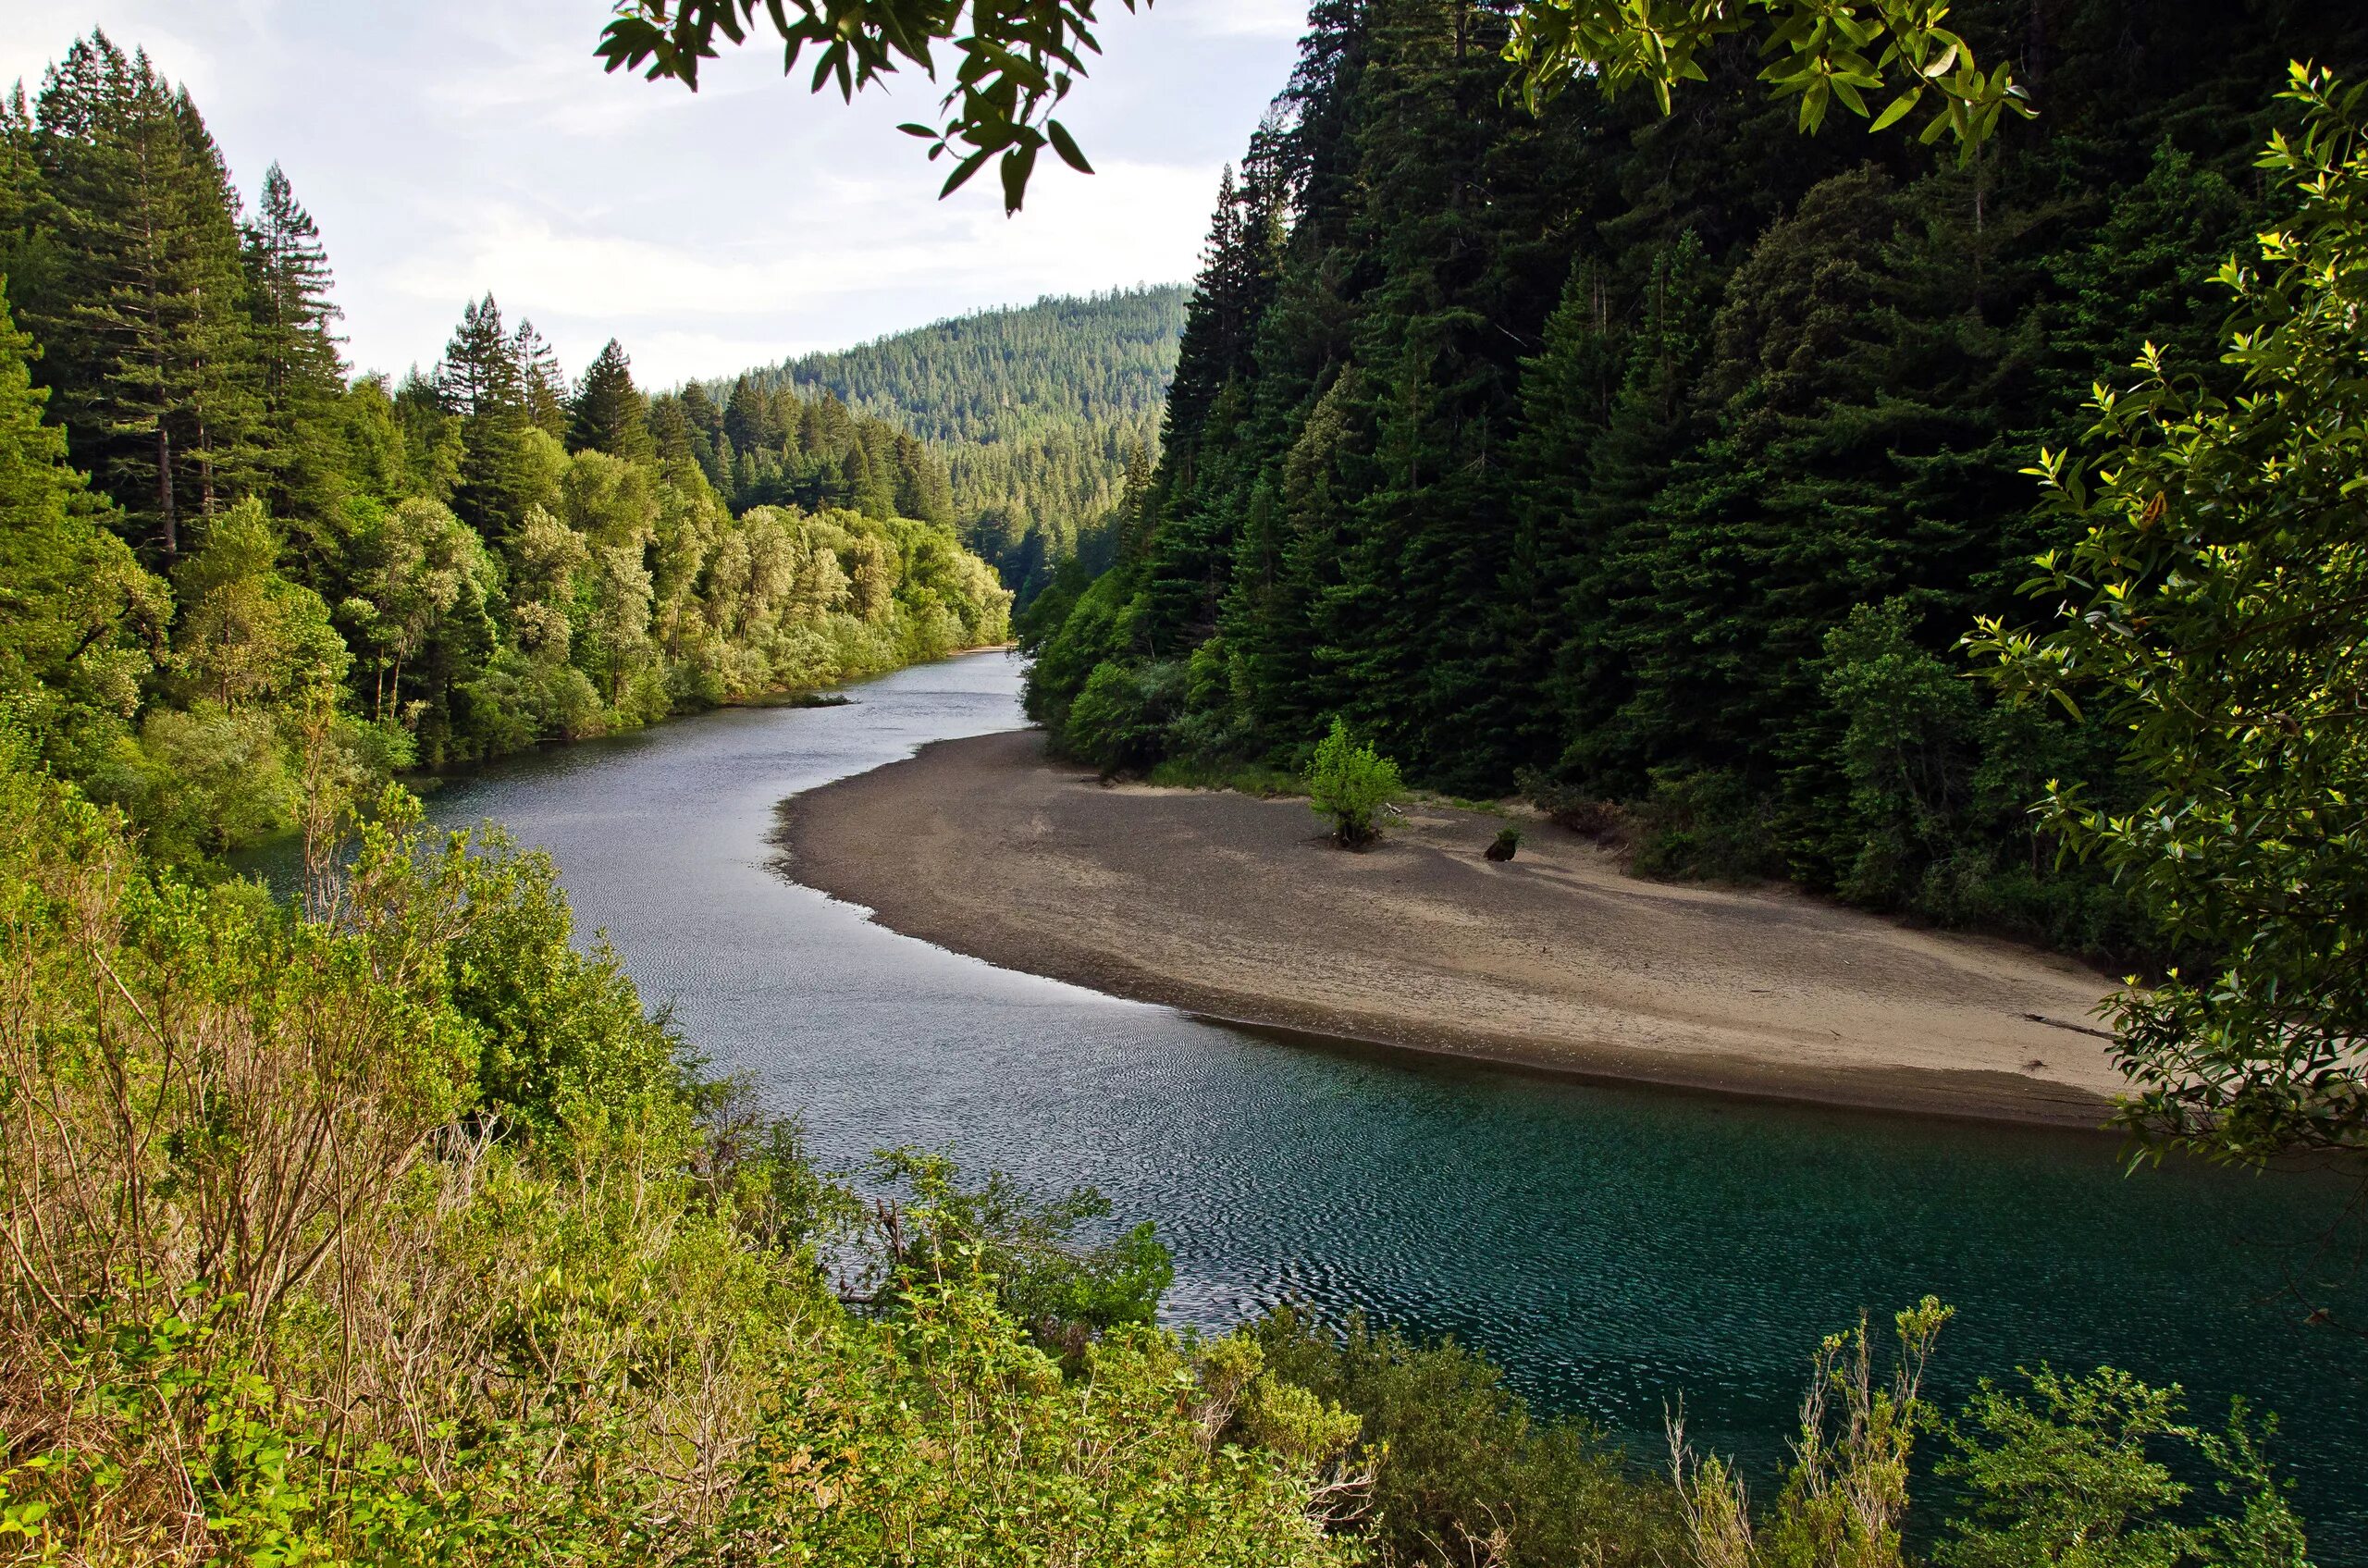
1883	59
1013	62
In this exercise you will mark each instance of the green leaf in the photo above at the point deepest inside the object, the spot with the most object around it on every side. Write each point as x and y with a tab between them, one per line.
1017	165
1898	109
1066	146
961	175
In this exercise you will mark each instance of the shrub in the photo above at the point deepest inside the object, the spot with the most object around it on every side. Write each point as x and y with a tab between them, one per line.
2078	1468
1197	772
282	1291
1088	637
1583	812
1120	719
213	778
1466	1468
1353	785
1059	1288
1711	825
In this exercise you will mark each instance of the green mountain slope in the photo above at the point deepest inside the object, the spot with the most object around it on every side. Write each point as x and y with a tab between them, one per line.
1037	409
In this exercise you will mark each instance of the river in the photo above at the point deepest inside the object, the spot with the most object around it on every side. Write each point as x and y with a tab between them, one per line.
1614	1250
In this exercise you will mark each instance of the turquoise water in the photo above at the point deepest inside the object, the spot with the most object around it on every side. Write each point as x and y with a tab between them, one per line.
1614	1250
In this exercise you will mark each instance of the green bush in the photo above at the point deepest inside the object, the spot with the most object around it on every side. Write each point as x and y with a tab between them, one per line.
1468	1469
1120	719
1062	1290
2079	1469
1353	785
1242	778
1711	825
1089	637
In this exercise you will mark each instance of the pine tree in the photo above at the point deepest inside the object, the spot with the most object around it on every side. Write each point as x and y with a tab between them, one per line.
751	421
430	434
608	414
1591	494
26	250
542	383
223	408
670	431
869	489
922	490
1317	157
144	311
299	375
1221	322
481	383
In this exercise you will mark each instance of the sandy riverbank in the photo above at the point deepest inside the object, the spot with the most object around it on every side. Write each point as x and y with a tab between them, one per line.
1225	905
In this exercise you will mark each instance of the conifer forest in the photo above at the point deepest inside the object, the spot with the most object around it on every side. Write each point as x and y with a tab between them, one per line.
1884	475
1045	413
1663	463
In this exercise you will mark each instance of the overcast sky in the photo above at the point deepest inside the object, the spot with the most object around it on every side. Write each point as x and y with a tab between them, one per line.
450	147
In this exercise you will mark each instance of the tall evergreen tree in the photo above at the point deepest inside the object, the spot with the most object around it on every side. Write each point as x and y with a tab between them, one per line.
481	383
26	251
542	383
607	412
300	376
143	311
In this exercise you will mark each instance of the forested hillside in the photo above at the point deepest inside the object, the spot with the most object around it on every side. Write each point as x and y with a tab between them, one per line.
224	556
1038	410
1656	465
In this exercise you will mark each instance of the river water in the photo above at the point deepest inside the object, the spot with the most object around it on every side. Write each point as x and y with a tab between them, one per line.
1614	1250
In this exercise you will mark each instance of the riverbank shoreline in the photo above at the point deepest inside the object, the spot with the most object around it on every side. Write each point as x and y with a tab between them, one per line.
831	694
1236	908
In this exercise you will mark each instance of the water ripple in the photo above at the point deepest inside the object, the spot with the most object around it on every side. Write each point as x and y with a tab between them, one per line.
1614	1250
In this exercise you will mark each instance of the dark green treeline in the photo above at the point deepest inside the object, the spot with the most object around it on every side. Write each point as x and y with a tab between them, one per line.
225	560
1661	460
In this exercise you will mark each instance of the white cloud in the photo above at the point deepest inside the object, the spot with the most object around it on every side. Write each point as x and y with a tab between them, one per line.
1240	18
453	147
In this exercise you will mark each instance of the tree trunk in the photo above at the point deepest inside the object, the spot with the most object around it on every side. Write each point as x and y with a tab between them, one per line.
204	470
164	490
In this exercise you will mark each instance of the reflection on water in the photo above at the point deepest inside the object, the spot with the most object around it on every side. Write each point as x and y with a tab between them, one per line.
1613	1249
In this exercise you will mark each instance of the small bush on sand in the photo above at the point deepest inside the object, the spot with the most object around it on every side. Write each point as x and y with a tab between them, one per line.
1581	811
1353	785
1508	843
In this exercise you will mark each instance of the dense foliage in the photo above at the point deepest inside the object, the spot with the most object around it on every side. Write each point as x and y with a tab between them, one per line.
2210	608
431	573
393	1230
387	1227
1045	415
1661	460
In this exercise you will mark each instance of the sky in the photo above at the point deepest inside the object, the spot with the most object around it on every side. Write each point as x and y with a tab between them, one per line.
449	148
